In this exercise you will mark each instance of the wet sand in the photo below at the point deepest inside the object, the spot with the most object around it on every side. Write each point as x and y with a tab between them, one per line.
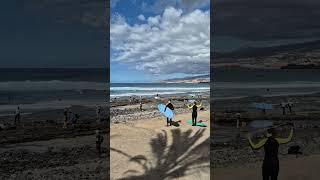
39	148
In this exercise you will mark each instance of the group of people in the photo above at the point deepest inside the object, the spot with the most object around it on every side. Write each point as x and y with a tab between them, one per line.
70	116
284	106
194	114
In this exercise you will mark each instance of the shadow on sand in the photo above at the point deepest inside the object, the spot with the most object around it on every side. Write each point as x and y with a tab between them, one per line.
171	161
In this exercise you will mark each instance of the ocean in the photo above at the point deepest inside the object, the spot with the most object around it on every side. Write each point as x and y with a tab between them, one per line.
58	88
51	88
151	89
236	83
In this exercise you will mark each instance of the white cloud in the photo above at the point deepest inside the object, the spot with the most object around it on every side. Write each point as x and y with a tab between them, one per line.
169	43
141	17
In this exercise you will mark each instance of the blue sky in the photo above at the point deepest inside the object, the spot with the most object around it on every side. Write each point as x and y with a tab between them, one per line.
130	68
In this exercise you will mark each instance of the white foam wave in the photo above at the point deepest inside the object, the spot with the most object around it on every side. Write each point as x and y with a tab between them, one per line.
151	93
256	85
136	88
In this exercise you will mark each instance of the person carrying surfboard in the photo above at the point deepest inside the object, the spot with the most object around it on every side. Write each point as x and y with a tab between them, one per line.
194	112
170	106
270	167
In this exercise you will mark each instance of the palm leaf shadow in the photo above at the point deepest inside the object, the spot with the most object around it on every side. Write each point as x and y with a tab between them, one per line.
173	160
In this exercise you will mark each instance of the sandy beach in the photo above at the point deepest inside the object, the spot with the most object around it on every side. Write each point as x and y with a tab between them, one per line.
147	149
39	148
301	168
232	156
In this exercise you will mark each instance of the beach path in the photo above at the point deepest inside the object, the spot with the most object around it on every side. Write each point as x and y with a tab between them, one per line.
148	149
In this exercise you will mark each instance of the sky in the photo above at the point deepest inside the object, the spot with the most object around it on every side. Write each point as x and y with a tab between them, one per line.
53	34
156	40
251	23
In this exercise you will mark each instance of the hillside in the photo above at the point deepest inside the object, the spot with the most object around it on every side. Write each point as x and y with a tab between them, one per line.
305	55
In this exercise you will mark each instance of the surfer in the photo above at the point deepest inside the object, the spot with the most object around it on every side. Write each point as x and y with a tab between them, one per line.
170	106
270	167
194	112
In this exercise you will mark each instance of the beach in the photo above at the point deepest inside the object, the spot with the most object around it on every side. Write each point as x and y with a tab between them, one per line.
231	154
40	148
143	147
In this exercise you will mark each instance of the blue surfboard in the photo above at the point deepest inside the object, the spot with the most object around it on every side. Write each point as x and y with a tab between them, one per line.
262	106
168	113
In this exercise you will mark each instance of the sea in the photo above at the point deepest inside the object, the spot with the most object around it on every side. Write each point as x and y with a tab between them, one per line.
50	88
238	83
162	89
44	88
58	88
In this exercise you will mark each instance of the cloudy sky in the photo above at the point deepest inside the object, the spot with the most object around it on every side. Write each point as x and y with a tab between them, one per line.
54	33
152	40
243	23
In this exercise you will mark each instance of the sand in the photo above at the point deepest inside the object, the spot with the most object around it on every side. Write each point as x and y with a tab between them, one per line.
231	156
147	149
301	168
41	149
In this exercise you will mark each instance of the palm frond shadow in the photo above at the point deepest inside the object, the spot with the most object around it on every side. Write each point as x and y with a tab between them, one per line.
173	160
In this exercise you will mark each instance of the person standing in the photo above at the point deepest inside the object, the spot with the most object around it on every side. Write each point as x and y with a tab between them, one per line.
98	113
17	116
290	104
238	116
99	140
283	106
140	104
170	106
66	118
270	166
194	112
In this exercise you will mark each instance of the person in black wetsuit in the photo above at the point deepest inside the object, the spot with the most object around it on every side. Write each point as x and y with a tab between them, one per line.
170	106
270	167
194	112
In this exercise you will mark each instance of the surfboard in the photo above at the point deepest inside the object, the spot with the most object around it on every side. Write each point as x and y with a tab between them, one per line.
262	106
259	124
168	113
191	101
281	131
198	123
